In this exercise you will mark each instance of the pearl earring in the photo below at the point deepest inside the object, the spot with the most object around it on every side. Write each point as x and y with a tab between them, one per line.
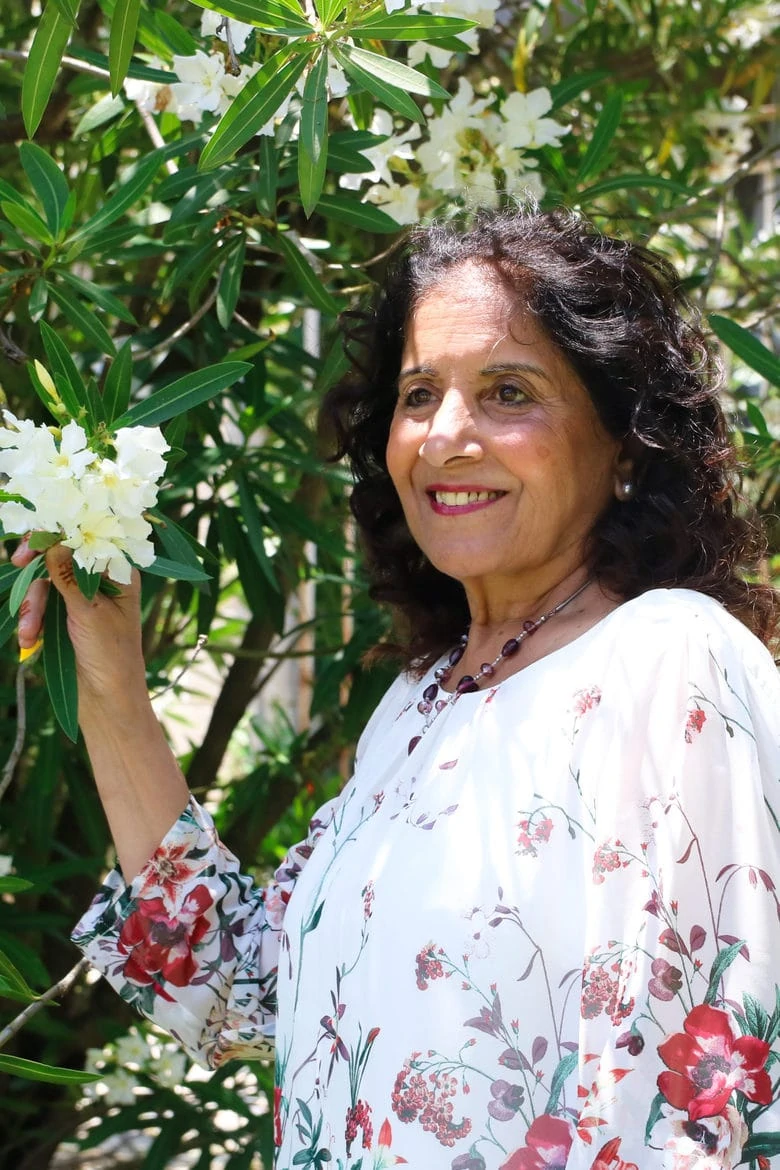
625	490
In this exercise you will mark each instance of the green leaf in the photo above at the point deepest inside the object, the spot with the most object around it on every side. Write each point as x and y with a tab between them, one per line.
59	666
656	1112
48	183
270	15
121	42
176	570
573	86
129	192
40	541
104	109
62	363
29	573
757	420
390	95
183	394
118	383
7	624
393	73
603	134
253	106
8	574
313	141
365	216
329	10
178	544
68	9
266	177
253	524
747	347
43	62
32	1070
311	286
99	296
22	216
14	984
14	885
723	960
46	398
760	1145
88	583
625	182
80	316
411	26
39	298
230	282
10	194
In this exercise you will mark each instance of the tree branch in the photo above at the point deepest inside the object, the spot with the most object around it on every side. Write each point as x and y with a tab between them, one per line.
32	1009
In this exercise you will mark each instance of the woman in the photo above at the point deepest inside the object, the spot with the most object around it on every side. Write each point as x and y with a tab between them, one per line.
539	927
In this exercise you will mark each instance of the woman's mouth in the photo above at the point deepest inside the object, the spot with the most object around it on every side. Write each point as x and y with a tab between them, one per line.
459	501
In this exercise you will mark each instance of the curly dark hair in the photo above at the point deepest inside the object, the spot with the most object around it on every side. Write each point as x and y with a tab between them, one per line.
618	313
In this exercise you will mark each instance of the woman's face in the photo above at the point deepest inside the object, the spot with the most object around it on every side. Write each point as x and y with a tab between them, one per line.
495	449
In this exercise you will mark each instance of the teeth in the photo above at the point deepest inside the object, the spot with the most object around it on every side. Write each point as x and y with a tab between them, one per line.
457	499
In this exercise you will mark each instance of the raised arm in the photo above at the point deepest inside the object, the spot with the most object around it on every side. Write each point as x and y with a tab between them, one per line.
139	781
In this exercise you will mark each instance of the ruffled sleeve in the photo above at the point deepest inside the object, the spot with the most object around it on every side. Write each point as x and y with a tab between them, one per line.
192	943
680	1004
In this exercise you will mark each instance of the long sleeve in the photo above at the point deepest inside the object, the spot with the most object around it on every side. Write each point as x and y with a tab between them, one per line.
192	943
680	1003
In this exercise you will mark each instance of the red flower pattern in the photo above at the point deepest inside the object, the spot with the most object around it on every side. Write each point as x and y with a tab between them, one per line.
160	947
547	1147
708	1063
608	1158
696	720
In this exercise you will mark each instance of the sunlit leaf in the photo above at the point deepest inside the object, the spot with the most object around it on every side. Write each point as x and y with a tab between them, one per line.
31	572
118	384
80	316
59	666
390	95
313	139
411	26
43	62
747	347
230	282
47	181
392	72
33	1070
271	15
601	138
310	284
183	394
28	221
122	30
365	216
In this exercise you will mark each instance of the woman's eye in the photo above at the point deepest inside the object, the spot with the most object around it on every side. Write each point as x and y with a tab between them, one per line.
510	394
416	396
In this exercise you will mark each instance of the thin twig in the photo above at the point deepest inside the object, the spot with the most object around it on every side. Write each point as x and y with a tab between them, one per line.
71	62
153	130
21	730
233	64
32	1009
177	334
201	642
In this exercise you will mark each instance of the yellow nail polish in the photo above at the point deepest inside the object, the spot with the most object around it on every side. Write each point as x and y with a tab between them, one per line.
26	652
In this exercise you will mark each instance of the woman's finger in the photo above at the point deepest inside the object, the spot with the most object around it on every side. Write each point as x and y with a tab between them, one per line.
23	554
31	614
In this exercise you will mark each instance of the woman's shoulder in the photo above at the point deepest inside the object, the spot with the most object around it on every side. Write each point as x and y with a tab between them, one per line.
661	622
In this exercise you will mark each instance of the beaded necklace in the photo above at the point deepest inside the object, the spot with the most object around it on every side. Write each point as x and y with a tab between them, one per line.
431	706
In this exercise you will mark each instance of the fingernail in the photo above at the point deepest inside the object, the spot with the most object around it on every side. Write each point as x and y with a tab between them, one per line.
26	652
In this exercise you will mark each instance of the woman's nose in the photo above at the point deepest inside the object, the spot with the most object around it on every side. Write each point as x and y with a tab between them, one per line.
452	432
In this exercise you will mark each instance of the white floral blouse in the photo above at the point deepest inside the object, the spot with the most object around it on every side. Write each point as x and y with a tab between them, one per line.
548	937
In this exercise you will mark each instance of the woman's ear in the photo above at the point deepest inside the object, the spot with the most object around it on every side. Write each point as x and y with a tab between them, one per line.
625	475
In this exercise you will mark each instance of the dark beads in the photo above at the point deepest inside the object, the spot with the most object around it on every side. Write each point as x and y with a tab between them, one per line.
530	626
440	673
509	648
440	705
487	669
430	693
466	685
413	742
424	708
456	655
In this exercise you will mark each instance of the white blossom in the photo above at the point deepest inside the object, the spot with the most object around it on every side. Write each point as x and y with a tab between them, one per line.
119	1088
727	134
132	1048
394	146
401	201
749	26
170	1066
6	864
524	115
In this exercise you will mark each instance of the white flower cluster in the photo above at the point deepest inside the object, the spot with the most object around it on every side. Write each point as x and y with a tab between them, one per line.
477	146
727	134
94	504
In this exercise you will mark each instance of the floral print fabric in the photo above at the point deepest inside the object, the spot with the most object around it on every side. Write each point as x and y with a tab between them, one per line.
548	938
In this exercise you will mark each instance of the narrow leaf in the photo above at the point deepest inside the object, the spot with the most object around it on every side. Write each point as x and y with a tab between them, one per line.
80	316
270	15
564	1067
747	347
723	961
99	296
230	283
183	394
603	134
13	979
176	570
178	544
14	885
365	216
411	26
313	141
626	182
43	62
116	390
61	362
59	666
32	1070
28	221
7	624
393	72
253	106
311	285
390	95
29	573
128	193
124	24
39	299
48	183
254	529
8	574
88	583
565	91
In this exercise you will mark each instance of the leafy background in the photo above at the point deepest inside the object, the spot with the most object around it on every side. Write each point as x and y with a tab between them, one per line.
148	231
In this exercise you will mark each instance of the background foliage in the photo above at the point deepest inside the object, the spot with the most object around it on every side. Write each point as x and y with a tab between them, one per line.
198	194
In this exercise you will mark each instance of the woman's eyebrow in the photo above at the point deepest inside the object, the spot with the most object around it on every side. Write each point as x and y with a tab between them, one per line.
412	371
515	368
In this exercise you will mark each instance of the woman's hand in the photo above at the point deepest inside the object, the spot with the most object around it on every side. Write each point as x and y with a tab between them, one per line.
105	631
